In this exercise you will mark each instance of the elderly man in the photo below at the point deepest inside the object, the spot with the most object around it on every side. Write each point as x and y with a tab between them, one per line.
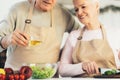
33	31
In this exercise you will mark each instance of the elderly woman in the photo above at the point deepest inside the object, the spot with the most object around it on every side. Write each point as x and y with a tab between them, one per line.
90	48
32	32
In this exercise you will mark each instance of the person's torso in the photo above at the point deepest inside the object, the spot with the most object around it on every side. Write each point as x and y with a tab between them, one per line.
95	49
113	40
48	50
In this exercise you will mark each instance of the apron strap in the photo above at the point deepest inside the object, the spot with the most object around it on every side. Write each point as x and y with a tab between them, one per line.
31	10
102	29
81	33
28	20
29	17
52	19
103	32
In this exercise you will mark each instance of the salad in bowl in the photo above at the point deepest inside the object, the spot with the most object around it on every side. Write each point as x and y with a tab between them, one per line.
43	71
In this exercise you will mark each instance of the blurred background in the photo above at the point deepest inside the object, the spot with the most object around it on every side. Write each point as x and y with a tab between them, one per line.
109	10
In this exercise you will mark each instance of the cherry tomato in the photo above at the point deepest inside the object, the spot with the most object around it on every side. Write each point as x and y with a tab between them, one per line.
11	77
2	77
22	77
16	76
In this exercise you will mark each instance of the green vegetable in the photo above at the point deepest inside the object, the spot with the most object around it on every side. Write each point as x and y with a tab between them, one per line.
110	72
42	72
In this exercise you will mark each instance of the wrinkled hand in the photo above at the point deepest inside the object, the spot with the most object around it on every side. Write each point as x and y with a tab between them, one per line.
90	67
16	38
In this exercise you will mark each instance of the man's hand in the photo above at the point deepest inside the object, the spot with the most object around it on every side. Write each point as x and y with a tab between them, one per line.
16	38
90	67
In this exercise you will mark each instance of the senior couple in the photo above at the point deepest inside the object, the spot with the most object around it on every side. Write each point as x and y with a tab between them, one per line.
86	50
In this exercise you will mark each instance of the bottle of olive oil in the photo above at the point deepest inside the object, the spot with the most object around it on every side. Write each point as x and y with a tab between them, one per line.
34	42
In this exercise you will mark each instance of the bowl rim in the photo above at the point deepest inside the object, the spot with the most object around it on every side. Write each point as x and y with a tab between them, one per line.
55	68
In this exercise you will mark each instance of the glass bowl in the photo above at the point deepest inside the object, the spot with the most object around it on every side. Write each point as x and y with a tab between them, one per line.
43	71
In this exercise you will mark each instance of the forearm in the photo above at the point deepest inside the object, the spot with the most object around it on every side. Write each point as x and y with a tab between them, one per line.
1	48
119	55
4	42
70	69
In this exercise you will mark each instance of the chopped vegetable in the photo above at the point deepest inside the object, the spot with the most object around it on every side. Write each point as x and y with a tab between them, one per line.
110	72
42	72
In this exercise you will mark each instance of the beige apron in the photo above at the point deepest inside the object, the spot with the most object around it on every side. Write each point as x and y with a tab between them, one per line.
97	50
45	52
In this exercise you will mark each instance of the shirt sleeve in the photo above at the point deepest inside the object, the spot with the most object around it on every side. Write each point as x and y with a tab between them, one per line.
67	68
1	49
7	25
73	24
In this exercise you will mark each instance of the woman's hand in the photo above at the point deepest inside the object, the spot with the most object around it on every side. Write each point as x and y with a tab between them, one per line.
90	67
16	38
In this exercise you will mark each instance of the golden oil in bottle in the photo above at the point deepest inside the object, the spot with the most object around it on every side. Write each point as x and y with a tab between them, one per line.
34	42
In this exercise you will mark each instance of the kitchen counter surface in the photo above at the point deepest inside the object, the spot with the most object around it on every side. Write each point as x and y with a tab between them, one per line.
79	79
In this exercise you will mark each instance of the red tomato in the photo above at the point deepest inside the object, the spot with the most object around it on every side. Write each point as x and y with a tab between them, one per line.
16	76
22	77
11	77
2	77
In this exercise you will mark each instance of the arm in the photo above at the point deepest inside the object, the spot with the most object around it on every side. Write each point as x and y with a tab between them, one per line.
119	55
7	26
118	67
15	38
72	23
8	32
66	67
